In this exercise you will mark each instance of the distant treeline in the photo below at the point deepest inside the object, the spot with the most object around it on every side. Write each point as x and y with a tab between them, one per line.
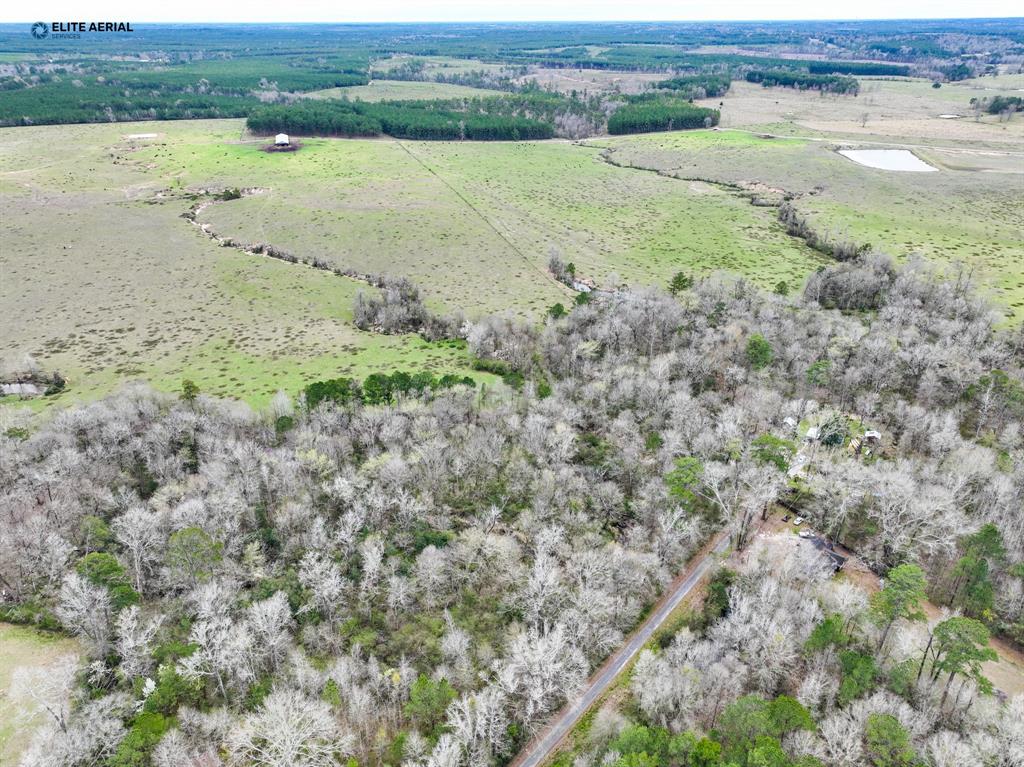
109	91
645	116
242	76
788	78
515	117
866	69
413	119
63	102
697	86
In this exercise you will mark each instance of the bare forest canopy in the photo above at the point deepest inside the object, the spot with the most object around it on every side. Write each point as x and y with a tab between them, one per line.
419	572
208	71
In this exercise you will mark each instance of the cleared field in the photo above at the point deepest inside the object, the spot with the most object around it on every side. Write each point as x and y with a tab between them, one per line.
107	284
402	90
589	81
894	110
474	223
22	647
1001	82
435	65
103	279
971	211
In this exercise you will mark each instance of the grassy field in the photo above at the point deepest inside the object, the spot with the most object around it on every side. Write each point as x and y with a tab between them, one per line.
903	110
435	65
403	90
22	647
590	81
106	285
103	279
474	223
971	211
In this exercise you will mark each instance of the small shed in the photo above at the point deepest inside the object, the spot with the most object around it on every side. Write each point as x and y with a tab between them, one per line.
836	560
281	139
873	436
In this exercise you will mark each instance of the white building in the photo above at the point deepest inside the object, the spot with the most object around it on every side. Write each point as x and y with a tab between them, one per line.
281	139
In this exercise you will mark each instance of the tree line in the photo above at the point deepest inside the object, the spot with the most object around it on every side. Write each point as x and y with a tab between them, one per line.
787	78
697	86
379	388
493	119
413	120
644	116
862	68
999	104
96	90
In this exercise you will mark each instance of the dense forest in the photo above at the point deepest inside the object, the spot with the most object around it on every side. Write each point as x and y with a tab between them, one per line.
415	573
787	78
861	68
518	117
647	115
697	86
421	120
75	91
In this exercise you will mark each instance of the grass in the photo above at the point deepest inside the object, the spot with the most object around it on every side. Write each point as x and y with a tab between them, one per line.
905	111
969	212
591	81
107	287
403	90
435	65
106	282
474	223
22	647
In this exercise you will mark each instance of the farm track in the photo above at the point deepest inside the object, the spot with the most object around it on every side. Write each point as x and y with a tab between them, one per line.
537	752
514	248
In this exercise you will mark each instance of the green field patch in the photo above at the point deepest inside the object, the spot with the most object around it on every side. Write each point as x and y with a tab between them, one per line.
23	647
402	90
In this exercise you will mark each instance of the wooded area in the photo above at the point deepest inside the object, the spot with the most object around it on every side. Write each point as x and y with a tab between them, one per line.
423	580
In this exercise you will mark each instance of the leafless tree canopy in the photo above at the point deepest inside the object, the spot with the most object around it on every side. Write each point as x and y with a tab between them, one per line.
404	584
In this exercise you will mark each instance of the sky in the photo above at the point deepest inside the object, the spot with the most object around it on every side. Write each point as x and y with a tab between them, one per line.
498	10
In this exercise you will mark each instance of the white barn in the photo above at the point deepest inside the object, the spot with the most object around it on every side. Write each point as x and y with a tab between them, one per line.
281	139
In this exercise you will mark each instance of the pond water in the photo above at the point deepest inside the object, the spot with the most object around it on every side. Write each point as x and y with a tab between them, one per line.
888	159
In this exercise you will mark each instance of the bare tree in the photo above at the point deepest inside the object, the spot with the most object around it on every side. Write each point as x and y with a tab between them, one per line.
289	730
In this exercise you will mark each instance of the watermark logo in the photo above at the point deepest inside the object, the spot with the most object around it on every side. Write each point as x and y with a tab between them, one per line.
74	30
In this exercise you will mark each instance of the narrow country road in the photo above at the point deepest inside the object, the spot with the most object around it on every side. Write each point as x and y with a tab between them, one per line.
541	747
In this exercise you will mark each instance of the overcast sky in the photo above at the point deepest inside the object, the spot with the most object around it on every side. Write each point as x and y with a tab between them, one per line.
497	10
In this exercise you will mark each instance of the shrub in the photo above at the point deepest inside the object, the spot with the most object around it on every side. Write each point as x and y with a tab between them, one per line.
759	352
104	570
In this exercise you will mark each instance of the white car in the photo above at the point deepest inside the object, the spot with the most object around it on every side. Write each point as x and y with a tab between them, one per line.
798	521
806	534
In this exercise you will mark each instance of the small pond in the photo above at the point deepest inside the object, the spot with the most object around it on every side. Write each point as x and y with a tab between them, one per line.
888	159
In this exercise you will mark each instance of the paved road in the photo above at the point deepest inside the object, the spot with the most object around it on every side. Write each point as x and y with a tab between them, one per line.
540	748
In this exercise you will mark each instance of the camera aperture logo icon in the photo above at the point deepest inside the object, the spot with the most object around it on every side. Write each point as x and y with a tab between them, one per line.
40	30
